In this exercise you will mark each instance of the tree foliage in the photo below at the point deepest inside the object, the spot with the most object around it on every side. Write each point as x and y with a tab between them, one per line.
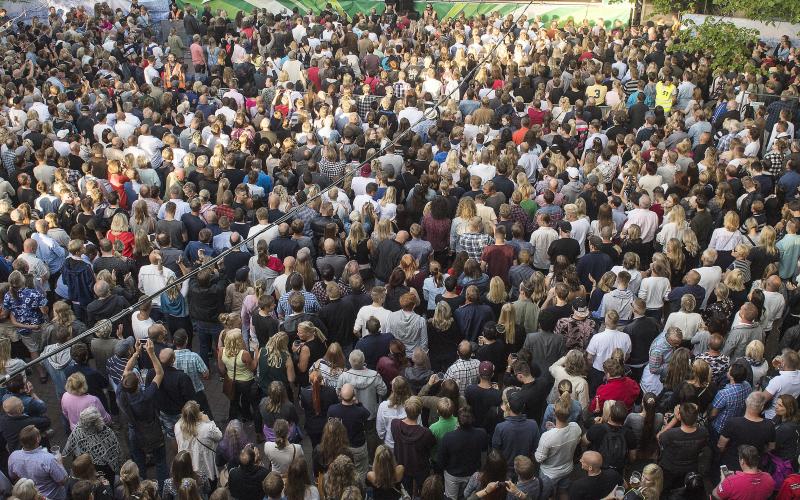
724	43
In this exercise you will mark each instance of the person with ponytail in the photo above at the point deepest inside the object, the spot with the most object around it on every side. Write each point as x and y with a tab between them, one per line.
315	399
307	349
575	410
645	426
281	453
263	266
557	445
175	309
433	286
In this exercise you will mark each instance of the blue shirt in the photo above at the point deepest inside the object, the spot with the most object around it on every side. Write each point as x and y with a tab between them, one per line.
46	472
265	182
50	252
730	403
789	182
26	307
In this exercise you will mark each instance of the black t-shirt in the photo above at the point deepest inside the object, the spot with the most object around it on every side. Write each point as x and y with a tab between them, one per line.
559	312
354	418
740	431
234	175
594	487
174	228
481	401
194	224
680	450
568	247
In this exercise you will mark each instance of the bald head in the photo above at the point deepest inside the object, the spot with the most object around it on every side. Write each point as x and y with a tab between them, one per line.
13	406
465	349
29	246
773	283
166	356
592	460
402	237
347	393
330	246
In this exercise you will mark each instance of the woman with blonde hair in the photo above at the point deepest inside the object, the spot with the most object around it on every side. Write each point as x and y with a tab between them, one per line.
757	365
496	296
765	253
572	368
386	475
340	476
310	346
388	204
673	251
465	211
674	226
274	363
737	293
76	399
724	239
236	364
514	337
199	435
141	219
443	337
120	235
392	408
357	247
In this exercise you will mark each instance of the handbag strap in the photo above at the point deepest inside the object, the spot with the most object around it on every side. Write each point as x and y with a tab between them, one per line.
204	445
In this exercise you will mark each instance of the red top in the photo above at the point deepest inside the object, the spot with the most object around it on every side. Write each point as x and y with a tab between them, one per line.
744	486
617	389
126	238
790	488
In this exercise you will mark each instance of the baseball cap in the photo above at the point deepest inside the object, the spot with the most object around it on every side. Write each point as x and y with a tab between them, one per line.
580	307
124	346
486	369
565	226
573	172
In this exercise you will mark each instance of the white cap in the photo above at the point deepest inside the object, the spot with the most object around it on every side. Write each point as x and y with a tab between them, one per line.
62	133
573	172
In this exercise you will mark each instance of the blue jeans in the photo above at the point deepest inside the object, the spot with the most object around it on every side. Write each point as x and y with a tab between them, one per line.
138	455
208	334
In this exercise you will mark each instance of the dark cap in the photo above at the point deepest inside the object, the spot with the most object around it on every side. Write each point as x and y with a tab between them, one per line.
486	369
242	273
123	347
580	307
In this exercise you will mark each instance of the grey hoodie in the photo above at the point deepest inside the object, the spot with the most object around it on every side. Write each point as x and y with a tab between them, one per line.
369	387
738	338
58	361
409	328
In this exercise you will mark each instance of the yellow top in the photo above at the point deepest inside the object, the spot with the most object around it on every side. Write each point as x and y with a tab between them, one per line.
243	372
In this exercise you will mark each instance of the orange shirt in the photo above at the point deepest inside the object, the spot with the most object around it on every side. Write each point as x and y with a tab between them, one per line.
519	136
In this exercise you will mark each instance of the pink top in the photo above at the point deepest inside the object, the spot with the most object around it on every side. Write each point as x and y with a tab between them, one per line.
72	406
197	53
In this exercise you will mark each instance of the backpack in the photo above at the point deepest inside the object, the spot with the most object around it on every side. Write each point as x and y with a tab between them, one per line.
614	448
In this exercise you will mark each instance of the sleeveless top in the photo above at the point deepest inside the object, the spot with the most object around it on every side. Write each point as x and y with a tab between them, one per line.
268	374
317	349
243	373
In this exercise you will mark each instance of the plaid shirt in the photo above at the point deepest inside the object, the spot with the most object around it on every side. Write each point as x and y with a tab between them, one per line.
364	105
312	304
464	372
225	210
724	143
191	364
306	214
576	332
521	216
9	158
730	403
332	169
775	162
400	89
660	352
473	244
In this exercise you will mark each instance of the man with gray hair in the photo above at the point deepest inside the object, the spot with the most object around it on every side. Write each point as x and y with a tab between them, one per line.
106	305
751	429
710	274
642	216
369	389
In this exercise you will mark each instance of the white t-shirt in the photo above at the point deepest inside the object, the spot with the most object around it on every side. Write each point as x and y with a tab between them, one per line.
785	383
602	345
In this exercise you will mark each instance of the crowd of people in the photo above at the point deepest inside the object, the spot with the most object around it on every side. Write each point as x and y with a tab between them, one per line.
473	258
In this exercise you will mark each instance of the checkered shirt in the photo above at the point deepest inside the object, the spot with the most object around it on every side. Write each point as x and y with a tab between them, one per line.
364	105
774	161
730	403
464	372
284	309
473	244
191	364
